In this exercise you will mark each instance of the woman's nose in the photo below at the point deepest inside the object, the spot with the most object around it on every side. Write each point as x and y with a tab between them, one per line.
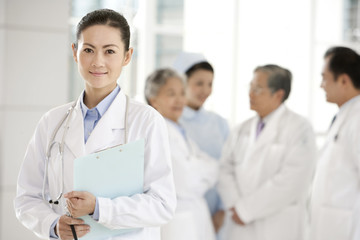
98	60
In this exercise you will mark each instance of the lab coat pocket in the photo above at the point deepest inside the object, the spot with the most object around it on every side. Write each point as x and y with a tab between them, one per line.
334	224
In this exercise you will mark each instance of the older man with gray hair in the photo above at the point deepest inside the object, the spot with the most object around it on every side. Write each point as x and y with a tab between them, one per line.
267	164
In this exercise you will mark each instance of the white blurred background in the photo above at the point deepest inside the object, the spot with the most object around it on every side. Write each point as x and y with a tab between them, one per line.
37	71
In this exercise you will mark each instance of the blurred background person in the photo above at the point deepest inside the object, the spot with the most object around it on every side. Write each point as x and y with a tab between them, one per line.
336	192
194	171
208	129
267	164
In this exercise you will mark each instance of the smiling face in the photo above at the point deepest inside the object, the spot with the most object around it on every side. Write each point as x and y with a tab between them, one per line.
100	56
199	87
170	100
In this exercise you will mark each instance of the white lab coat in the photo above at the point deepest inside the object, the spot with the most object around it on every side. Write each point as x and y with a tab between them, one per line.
147	211
335	200
267	179
194	173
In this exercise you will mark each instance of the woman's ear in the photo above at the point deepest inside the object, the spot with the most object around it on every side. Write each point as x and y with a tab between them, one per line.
74	50
128	56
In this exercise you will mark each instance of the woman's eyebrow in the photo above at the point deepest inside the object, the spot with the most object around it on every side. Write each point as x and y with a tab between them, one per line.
110	45
105	46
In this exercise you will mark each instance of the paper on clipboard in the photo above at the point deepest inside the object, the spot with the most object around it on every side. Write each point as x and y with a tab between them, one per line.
114	172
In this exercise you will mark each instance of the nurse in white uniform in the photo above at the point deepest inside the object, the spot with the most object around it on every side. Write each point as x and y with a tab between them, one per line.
102	117
335	200
194	171
268	163
208	129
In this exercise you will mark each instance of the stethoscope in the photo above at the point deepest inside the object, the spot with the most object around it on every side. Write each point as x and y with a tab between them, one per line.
61	145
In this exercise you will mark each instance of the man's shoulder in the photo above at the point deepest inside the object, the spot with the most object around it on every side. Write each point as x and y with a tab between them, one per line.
245	125
295	118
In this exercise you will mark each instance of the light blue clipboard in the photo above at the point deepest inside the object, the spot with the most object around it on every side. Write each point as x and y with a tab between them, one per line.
114	172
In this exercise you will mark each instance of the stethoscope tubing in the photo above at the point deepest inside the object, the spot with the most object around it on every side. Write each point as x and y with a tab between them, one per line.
61	152
67	118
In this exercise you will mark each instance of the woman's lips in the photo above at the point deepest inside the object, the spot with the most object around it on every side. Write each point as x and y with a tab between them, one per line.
98	74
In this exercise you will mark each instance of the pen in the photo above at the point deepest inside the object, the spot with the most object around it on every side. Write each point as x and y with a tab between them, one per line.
73	232
71	226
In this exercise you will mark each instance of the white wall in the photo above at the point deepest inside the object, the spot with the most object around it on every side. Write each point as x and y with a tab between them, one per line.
275	32
34	77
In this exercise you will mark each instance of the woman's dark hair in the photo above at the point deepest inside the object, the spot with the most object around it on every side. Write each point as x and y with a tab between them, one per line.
199	66
106	17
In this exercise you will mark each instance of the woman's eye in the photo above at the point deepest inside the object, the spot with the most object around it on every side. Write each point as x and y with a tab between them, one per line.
88	50
110	51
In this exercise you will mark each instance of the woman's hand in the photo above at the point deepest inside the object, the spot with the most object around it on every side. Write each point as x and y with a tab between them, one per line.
218	220
63	230
80	203
235	217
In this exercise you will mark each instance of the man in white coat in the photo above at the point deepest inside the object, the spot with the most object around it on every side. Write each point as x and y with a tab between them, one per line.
335	201
267	164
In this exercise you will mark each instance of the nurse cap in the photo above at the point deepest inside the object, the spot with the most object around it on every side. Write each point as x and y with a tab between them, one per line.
185	60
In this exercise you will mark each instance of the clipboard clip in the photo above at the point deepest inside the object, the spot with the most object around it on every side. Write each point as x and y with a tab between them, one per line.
109	148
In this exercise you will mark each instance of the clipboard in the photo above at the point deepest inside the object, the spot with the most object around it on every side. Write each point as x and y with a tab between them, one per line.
110	173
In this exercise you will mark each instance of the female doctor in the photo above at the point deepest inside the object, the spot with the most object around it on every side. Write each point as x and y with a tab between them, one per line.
101	117
194	171
208	129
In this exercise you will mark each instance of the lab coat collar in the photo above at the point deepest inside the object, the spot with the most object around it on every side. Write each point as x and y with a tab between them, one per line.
270	130
102	135
348	104
103	106
343	114
75	135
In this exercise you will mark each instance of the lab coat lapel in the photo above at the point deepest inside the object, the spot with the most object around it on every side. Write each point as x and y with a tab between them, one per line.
75	135
103	135
339	122
270	131
257	152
